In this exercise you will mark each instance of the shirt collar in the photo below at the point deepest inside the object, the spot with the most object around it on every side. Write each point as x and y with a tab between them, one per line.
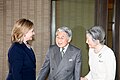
65	48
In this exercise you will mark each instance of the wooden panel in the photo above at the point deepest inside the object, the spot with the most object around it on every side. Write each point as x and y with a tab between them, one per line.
117	37
101	14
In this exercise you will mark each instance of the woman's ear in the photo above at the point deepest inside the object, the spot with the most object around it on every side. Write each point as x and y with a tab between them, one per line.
97	42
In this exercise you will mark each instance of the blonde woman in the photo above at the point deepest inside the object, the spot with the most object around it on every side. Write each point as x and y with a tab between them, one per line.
21	58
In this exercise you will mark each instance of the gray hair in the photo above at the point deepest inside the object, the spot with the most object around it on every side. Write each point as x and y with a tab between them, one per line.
97	33
66	30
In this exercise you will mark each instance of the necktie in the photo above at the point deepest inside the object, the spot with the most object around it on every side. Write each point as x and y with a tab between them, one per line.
62	52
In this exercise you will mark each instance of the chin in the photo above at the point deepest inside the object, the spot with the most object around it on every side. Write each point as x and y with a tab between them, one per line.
59	46
31	39
90	47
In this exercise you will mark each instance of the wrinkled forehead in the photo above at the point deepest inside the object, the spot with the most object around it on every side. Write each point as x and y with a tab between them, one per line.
61	33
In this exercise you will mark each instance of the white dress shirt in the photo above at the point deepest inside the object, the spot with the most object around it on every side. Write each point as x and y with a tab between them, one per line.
65	48
102	65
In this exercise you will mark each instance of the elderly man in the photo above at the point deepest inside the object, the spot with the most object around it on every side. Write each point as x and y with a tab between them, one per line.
63	60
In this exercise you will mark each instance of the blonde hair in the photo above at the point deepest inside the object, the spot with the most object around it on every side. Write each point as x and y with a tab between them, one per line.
21	27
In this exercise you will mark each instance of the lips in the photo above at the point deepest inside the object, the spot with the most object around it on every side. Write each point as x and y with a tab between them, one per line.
59	43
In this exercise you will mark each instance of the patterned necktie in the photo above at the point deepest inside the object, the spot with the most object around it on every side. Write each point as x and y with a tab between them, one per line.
62	52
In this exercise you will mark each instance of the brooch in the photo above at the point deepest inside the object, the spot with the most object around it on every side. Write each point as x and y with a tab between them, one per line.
100	55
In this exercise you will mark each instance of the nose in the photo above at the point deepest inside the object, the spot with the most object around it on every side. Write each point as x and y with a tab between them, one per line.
33	33
59	39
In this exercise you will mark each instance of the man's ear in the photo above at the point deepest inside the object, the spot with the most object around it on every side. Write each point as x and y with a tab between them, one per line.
69	40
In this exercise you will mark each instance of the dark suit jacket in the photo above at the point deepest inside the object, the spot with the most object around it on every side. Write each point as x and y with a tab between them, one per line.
66	68
22	63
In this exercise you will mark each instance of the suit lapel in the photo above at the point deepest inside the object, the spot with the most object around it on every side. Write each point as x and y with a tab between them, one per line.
57	56
29	52
67	55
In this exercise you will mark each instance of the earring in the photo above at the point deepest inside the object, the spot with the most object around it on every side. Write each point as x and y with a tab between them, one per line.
19	39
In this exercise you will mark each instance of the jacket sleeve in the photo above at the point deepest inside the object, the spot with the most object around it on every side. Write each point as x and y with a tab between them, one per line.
45	68
16	62
88	76
110	66
78	66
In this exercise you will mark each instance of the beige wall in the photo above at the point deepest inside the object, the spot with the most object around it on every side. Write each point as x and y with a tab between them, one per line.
36	10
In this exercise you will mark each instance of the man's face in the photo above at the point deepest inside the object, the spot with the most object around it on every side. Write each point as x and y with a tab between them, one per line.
62	39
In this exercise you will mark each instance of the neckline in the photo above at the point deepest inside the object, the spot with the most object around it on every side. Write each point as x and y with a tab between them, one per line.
97	52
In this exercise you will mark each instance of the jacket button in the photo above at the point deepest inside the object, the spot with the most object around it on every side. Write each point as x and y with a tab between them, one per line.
52	68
